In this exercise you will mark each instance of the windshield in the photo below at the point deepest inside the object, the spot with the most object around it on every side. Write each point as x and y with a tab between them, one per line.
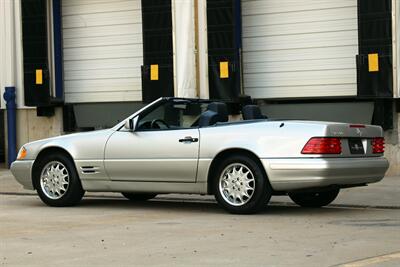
172	114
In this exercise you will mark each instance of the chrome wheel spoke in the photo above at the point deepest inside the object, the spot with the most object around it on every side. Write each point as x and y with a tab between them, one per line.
237	184
245	194
54	180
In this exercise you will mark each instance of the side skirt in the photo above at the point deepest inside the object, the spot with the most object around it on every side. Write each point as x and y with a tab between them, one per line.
150	187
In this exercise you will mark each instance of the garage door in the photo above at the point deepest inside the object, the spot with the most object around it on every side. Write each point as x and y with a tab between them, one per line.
294	49
103	51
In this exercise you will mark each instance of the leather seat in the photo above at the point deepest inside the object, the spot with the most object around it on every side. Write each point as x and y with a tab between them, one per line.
252	112
216	112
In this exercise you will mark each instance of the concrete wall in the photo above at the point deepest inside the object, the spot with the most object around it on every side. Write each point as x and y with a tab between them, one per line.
31	127
392	150
392	153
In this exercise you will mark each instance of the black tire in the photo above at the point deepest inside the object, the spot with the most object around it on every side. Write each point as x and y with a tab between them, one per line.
139	196
260	195
314	199
74	191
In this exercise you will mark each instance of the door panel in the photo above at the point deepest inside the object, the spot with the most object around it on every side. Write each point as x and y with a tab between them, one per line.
152	156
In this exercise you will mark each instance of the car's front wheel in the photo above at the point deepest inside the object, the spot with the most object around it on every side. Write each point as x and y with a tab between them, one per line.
314	199
56	181
139	196
240	185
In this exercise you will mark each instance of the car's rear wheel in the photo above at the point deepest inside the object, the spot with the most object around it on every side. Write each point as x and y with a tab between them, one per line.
139	196
314	199
56	181
240	185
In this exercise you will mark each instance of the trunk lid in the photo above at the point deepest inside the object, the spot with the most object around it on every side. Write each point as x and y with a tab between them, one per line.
356	139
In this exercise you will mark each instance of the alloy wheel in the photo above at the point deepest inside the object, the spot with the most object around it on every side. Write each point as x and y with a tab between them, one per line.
237	184
54	180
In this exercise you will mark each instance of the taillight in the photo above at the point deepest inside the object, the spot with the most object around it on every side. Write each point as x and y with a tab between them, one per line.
378	145
323	145
357	126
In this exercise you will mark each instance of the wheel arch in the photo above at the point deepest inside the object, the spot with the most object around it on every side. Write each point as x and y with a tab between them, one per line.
226	153
48	150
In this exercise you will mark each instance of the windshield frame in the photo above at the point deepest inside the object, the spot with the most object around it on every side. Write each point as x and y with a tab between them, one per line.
155	104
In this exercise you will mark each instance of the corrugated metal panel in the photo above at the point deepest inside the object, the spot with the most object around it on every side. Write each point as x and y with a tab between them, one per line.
103	50
295	49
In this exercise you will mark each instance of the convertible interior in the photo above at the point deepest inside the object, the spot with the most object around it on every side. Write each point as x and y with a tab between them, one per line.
180	114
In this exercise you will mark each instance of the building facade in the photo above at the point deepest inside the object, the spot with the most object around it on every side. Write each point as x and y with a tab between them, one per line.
79	65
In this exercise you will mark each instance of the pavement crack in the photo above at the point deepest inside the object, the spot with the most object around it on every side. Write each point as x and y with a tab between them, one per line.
395	256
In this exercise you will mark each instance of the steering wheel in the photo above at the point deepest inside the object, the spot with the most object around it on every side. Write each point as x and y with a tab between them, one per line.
156	123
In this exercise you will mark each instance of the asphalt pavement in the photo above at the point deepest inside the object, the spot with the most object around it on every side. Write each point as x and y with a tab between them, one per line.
361	228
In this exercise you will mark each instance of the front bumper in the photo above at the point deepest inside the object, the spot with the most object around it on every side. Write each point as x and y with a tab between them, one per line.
301	173
22	171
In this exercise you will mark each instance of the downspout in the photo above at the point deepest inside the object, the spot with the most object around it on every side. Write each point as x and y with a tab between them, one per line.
238	44
9	97
9	94
58	53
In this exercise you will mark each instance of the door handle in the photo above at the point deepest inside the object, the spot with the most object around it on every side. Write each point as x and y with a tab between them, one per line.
188	139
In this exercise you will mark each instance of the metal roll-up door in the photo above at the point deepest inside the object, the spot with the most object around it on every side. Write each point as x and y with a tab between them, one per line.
102	50
299	49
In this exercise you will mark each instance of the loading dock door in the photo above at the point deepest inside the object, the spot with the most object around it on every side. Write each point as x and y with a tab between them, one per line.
296	49
103	50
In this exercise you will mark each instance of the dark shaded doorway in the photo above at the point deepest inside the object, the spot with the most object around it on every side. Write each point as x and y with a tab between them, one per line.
157	70
224	42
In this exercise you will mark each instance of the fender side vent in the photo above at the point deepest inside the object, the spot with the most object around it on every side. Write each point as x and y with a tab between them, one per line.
89	169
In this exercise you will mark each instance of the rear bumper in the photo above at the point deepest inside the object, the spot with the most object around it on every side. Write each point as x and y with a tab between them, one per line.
22	171
293	174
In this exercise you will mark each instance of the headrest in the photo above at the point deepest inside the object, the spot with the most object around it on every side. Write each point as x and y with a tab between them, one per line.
220	109
252	112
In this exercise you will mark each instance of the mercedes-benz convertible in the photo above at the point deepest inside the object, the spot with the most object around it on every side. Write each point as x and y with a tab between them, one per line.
195	146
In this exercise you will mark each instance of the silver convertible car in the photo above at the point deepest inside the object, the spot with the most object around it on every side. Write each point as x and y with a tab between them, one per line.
176	145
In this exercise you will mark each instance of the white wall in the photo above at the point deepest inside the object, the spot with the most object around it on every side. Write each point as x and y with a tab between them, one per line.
11	67
184	43
190	53
396	4
203	49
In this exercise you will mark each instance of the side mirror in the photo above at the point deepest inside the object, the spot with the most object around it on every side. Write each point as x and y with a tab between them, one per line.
131	124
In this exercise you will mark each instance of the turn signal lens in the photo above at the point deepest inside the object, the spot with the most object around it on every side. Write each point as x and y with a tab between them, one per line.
323	145
378	145
22	153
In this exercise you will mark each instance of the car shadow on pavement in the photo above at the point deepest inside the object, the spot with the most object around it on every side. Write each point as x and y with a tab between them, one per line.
175	206
207	207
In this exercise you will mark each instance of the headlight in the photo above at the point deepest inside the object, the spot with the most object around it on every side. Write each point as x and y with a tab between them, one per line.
22	153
